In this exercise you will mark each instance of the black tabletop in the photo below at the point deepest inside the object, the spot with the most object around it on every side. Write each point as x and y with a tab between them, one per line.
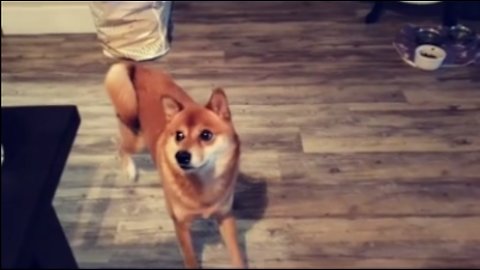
36	141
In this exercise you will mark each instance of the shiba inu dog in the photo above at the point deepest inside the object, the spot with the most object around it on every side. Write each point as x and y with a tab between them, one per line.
195	148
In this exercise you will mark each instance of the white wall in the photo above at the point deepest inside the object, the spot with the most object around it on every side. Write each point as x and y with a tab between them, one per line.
46	17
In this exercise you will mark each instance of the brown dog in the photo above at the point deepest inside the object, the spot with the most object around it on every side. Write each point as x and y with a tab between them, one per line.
195	148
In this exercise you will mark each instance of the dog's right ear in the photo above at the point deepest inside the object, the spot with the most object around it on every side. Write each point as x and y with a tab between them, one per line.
171	107
218	103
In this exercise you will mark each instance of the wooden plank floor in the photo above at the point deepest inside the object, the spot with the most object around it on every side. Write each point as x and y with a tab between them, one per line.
351	158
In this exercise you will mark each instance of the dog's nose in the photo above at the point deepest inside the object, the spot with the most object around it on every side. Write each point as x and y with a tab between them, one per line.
183	158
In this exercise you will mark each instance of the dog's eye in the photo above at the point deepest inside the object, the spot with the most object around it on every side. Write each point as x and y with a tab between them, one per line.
206	135
179	136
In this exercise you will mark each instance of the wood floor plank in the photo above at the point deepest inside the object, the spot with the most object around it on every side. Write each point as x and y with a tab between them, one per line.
340	169
395	132
463	95
426	143
372	199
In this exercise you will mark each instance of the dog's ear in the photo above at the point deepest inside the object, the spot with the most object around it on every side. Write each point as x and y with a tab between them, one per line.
171	107
218	103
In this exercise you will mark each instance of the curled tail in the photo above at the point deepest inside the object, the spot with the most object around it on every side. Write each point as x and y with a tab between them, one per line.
120	89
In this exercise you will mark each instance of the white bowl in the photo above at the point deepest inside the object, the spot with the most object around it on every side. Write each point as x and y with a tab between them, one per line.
429	57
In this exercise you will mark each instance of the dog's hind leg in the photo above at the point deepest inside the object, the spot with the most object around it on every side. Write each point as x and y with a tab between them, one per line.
121	92
129	144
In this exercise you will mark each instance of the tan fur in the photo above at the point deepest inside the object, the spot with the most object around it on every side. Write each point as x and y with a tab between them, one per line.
151	109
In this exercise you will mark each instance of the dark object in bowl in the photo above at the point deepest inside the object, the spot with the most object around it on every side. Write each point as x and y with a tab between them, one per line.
427	55
461	35
429	36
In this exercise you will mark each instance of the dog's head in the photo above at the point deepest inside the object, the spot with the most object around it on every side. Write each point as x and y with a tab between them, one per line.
199	137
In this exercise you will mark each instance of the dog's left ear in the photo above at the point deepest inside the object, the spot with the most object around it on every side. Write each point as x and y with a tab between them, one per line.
171	107
218	103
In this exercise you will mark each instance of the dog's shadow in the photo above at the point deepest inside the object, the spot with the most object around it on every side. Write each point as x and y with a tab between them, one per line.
248	207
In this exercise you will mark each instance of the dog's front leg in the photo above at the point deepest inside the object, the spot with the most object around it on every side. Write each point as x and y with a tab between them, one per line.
182	229
228	230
